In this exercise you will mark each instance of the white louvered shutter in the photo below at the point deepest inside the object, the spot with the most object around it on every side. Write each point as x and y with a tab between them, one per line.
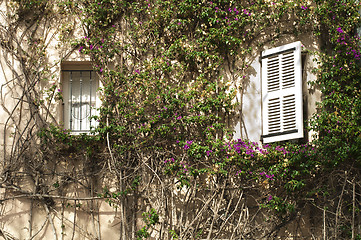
282	109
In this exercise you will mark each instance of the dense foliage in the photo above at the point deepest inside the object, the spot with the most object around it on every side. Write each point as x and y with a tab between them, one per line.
167	102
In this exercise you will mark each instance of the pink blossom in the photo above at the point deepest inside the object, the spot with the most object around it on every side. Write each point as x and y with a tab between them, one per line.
339	30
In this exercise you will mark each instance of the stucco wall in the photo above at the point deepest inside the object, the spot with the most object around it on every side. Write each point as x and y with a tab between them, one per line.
95	219
248	121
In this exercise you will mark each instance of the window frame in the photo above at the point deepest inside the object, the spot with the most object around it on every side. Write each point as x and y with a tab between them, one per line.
78	66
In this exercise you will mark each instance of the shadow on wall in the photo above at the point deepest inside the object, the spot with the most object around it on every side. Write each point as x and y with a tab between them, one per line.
245	78
247	117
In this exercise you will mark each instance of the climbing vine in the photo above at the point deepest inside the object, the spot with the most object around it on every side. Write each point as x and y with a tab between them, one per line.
172	73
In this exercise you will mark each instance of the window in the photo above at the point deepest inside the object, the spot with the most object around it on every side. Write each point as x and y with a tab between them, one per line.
80	85
282	108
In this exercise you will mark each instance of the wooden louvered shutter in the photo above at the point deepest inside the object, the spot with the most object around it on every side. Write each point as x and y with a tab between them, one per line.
282	110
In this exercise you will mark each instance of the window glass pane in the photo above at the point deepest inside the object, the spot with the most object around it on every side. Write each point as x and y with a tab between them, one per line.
81	100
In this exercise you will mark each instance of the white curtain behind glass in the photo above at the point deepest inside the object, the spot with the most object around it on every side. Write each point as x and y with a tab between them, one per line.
80	100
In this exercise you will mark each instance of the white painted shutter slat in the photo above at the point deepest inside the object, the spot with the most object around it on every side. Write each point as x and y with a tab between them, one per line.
282	109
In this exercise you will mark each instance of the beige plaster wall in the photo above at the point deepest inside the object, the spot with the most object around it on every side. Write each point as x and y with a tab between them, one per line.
96	219
248	120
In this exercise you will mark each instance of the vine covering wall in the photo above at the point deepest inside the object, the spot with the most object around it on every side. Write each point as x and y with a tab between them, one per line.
163	157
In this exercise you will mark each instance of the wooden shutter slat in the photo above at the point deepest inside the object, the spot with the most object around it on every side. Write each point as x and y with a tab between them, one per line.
282	93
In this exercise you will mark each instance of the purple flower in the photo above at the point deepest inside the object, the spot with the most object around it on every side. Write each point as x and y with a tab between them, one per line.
339	30
137	71
269	198
81	47
304	7
270	176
